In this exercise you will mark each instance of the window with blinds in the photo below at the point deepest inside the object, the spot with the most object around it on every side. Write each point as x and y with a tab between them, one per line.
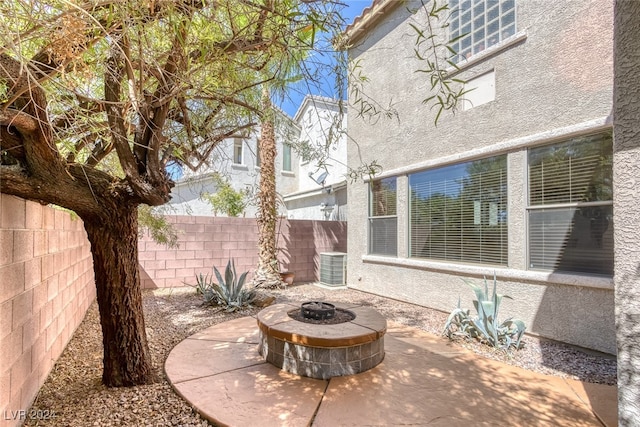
383	221
459	212
571	206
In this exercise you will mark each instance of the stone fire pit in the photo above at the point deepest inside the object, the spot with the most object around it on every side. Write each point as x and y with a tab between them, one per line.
320	349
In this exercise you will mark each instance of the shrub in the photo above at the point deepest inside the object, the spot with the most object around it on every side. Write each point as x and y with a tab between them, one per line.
154	222
226	200
228	292
485	326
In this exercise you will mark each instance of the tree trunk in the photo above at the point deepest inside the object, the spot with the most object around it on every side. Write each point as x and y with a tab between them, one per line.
114	246
268	273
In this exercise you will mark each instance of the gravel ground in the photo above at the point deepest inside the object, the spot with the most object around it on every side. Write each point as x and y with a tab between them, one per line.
73	392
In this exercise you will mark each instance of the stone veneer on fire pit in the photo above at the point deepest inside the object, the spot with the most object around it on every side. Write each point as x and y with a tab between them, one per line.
320	350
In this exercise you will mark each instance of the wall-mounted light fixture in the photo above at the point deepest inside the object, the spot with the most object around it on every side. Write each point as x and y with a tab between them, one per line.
326	210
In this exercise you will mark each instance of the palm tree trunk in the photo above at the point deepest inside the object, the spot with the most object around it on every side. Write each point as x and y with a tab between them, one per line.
268	272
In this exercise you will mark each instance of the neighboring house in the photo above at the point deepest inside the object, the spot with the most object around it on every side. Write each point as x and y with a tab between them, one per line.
517	183
302	194
321	192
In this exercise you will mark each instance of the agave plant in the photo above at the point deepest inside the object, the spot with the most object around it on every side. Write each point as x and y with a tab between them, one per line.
485	326
202	283
228	291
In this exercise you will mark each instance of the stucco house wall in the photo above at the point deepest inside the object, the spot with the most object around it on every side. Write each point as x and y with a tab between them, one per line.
627	215
553	80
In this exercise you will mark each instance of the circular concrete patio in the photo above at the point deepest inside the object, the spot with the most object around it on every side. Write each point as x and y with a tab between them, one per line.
423	379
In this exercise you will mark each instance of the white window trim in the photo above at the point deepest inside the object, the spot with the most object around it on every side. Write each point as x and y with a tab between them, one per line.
239	166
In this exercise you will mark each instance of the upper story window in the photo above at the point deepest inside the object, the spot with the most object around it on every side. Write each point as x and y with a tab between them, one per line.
383	220
258	154
570	209
237	151
480	24
459	212
286	158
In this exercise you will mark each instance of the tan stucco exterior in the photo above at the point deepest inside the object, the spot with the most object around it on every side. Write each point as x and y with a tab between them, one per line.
553	81
626	176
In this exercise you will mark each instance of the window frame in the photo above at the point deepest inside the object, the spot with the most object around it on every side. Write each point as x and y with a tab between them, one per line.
575	207
238	148
258	163
472	24
287	154
382	216
473	240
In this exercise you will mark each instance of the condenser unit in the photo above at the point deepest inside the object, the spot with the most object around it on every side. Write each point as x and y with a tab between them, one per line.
333	268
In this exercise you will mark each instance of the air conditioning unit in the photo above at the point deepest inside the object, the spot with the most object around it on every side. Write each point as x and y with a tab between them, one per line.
333	268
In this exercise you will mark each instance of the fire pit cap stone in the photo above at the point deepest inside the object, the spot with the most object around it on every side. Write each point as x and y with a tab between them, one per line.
274	321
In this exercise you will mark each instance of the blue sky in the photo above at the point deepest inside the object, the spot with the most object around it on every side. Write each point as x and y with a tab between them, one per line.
296	95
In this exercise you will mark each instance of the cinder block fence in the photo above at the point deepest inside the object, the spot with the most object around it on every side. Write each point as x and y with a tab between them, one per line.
47	285
47	282
205	242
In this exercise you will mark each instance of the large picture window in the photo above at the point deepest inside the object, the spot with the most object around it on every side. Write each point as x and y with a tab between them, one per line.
459	212
383	220
571	206
479	24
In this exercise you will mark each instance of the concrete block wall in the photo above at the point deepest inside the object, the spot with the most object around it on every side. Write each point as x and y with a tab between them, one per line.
302	241
47	285
205	242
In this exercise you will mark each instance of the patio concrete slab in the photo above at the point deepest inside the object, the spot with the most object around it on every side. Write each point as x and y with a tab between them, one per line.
236	330
411	387
422	380
598	396
417	338
209	358
256	396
